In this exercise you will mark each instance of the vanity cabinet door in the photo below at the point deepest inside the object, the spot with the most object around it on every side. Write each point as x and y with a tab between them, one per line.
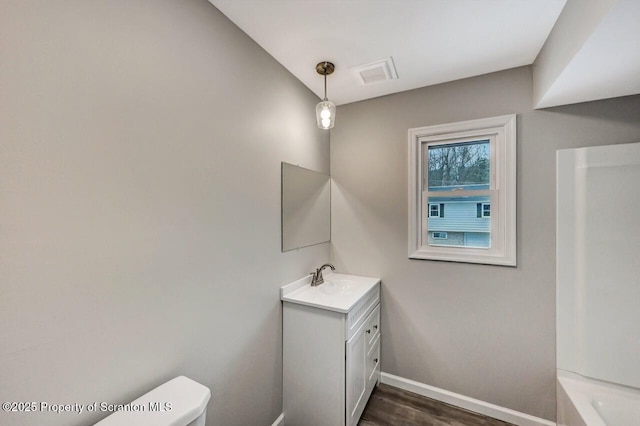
373	365
356	379
363	367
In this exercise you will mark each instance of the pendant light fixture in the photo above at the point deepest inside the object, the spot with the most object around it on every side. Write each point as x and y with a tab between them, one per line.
325	110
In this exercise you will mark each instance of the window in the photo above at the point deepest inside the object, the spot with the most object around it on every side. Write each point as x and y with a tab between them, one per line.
436	210
483	210
486	210
464	169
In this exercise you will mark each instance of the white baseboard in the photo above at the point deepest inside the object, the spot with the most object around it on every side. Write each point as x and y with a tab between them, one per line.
471	404
279	421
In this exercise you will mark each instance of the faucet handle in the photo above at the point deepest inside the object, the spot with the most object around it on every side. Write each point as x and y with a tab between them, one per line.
314	278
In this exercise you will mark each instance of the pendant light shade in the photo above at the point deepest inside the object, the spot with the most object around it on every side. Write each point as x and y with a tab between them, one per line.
326	114
325	110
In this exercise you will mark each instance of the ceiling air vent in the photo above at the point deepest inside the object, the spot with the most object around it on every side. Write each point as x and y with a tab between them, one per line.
375	72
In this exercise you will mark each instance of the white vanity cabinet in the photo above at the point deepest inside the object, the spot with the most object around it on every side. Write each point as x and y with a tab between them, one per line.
331	351
363	366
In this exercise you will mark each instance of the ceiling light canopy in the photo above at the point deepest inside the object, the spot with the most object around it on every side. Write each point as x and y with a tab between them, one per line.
325	110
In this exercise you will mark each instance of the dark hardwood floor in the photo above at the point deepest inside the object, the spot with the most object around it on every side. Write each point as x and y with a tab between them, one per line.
390	406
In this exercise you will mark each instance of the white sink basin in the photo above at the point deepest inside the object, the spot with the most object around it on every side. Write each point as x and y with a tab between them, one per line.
335	286
338	293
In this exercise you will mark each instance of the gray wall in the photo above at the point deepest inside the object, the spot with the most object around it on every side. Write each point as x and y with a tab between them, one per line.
140	149
487	332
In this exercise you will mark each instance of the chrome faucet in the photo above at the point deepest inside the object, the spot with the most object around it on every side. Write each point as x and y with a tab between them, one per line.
317	277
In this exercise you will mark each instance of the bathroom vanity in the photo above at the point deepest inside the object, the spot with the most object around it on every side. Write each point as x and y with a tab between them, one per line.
331	349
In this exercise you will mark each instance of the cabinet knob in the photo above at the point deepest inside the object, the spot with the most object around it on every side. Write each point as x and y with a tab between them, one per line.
375	327
369	331
375	360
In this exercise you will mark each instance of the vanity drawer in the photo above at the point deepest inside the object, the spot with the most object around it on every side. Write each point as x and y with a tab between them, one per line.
358	314
372	327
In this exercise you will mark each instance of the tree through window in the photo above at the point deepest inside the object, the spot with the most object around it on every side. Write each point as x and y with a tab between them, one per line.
458	165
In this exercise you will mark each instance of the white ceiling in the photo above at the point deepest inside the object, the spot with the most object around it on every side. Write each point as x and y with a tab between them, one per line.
431	41
591	47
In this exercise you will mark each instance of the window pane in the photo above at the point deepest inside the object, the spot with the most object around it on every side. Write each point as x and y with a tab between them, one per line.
458	165
462	224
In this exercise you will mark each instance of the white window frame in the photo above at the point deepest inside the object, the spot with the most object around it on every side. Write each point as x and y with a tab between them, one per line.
441	235
438	209
501	132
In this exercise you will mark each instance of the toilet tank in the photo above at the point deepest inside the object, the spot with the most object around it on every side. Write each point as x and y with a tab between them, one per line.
178	402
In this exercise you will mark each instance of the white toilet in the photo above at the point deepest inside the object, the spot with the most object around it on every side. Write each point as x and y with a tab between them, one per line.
179	402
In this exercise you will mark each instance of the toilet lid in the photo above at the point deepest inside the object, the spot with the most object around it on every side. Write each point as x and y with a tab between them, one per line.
177	402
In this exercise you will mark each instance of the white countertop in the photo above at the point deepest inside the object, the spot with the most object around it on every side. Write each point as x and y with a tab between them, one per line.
340	294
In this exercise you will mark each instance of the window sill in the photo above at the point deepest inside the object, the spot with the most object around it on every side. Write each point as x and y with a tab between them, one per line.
475	257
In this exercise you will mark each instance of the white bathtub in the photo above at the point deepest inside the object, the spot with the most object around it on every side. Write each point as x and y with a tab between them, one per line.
588	402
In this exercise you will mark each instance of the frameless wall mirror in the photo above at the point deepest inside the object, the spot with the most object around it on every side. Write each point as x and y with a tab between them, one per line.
306	207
